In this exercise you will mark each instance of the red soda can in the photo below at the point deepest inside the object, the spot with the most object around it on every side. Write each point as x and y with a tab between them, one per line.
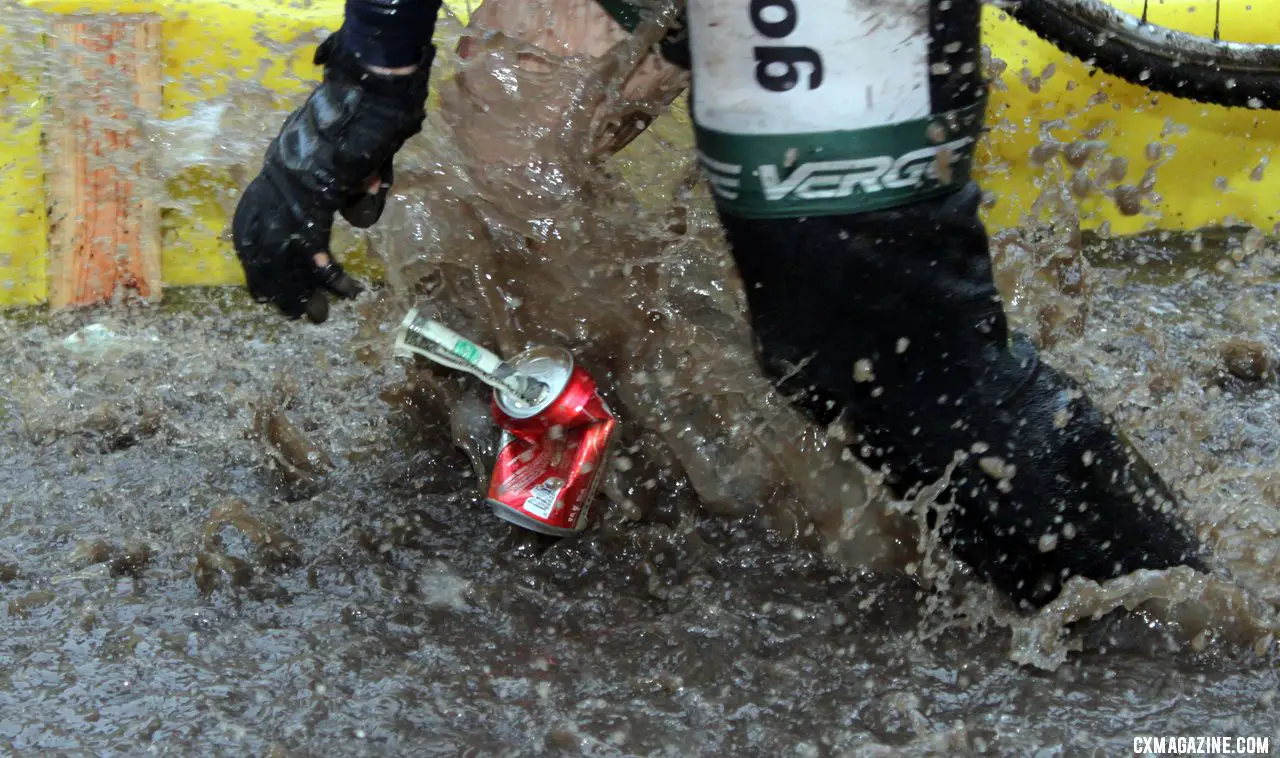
552	454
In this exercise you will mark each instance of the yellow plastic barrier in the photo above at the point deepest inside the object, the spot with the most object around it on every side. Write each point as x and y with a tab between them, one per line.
1208	163
23	216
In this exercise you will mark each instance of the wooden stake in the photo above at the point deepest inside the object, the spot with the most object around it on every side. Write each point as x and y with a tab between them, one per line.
104	236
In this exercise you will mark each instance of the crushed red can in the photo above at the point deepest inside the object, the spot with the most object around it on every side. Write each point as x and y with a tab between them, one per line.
552	454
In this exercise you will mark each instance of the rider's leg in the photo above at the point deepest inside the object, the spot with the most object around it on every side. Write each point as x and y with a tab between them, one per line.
838	138
516	128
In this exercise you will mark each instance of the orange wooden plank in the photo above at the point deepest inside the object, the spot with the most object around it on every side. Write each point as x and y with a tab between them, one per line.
104	235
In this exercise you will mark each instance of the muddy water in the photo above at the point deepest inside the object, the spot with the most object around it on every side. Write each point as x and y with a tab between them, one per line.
224	534
175	585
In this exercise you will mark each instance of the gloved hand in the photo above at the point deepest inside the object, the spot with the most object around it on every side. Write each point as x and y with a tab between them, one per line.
329	154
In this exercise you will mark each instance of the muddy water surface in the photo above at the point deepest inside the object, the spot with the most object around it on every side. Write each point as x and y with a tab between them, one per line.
175	585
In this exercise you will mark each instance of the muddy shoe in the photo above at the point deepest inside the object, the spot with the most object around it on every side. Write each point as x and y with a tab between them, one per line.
893	317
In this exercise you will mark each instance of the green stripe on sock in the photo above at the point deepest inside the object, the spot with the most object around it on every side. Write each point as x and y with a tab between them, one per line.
838	172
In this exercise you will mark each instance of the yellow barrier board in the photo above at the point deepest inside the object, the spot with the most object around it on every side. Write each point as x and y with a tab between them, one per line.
23	215
1207	163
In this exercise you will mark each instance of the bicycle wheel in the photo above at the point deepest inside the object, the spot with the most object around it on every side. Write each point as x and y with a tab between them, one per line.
1165	60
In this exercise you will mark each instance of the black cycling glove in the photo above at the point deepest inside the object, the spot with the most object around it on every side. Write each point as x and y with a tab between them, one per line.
325	160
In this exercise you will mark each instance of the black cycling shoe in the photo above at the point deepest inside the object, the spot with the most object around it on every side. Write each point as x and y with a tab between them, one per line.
893	319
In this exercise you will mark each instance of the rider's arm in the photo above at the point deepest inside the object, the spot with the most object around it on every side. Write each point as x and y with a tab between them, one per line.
335	155
390	34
